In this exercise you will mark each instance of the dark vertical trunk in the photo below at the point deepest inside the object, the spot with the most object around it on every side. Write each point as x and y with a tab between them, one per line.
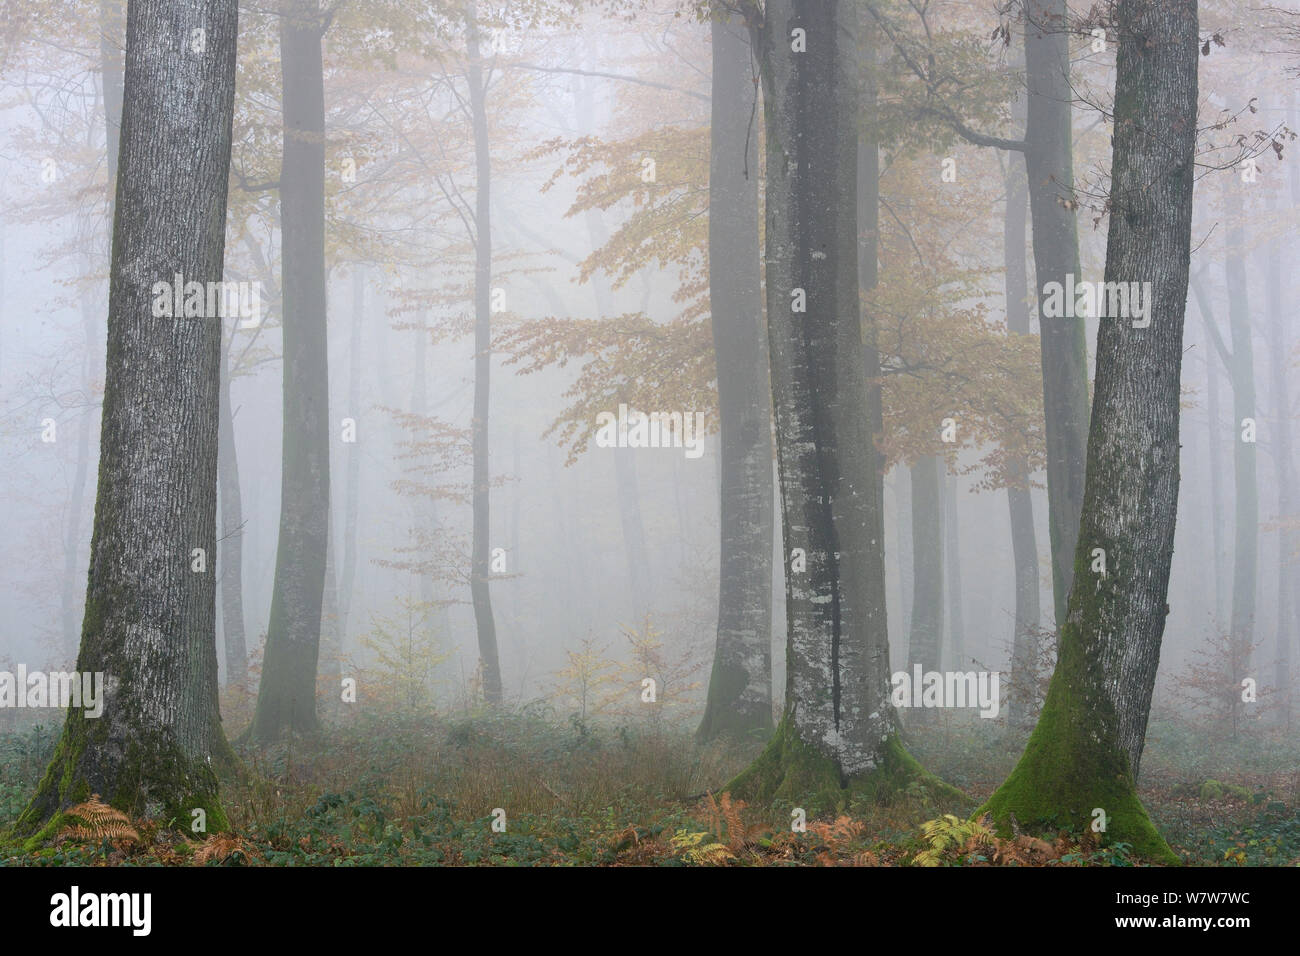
1086	749
926	637
740	687
287	695
112	27
232	538
868	196
1049	163
480	548
149	626
1024	542
839	723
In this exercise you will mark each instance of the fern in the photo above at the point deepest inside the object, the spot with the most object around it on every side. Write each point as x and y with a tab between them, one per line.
95	820
697	851
224	849
949	832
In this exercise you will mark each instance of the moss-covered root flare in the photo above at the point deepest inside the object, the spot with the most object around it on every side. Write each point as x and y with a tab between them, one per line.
791	772
158	782
1062	784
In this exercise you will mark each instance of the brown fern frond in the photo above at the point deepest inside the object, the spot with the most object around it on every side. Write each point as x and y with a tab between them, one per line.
95	820
736	830
221	847
715	815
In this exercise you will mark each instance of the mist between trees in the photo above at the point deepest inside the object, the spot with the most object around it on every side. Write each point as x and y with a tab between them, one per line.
757	379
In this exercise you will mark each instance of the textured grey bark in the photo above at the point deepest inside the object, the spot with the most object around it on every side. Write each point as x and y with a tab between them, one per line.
112	26
952	573
232	538
837	649
926	637
740	686
352	472
1024	542
868	193
1131	501
1086	748
480	595
1049	163
1241	369
287	695
150	620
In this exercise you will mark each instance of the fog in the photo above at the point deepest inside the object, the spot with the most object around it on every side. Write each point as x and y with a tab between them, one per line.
595	128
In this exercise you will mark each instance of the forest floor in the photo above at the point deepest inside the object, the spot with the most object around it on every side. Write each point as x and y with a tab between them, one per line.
427	790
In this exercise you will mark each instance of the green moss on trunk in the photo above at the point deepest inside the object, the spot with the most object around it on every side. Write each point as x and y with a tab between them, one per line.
792	772
145	781
1071	767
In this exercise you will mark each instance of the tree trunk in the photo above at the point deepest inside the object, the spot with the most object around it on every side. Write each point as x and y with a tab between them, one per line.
1083	756
352	495
479	589
232	539
906	550
839	727
1215	456
1049	163
1288	542
926	638
287	695
1024	543
1245	553
71	608
740	687
149	626
112	28
952	560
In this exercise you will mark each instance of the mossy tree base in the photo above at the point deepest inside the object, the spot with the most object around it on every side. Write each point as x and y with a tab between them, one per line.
791	772
1062	778
156	782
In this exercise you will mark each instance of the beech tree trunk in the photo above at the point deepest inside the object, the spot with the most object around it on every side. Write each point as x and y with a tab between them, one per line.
232	538
925	643
1024	542
352	494
1288	541
287	695
740	686
1084	754
1049	163
480	594
1241	369
839	725
952	577
150	624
